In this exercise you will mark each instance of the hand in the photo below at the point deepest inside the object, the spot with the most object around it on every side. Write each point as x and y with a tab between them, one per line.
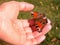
15	31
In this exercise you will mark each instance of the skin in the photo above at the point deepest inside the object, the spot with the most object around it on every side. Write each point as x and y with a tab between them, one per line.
17	31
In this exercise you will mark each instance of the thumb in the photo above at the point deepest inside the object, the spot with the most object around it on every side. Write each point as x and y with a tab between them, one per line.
11	9
25	6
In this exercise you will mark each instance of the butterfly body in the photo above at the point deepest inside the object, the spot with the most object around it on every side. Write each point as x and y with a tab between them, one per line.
38	22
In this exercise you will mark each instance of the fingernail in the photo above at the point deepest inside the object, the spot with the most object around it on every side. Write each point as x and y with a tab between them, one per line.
50	27
31	6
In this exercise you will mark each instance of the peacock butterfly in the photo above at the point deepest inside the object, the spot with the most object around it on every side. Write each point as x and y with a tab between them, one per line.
38	21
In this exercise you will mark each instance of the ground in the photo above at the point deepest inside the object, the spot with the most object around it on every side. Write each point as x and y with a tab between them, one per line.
52	10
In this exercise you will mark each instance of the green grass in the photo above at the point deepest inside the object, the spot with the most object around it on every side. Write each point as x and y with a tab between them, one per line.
52	10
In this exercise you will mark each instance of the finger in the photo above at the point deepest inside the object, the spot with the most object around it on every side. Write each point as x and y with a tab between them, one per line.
46	29
11	9
27	29
49	22
38	39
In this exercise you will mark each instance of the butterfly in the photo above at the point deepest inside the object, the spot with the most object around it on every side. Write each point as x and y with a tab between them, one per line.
38	22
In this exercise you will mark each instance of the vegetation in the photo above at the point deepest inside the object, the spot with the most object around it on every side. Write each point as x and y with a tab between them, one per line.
52	10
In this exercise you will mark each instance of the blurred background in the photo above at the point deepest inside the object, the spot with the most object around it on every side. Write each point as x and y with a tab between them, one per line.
52	10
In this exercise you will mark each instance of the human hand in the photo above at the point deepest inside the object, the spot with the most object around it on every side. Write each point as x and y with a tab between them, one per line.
17	31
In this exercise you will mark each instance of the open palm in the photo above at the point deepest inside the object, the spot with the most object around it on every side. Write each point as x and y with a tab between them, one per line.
17	31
